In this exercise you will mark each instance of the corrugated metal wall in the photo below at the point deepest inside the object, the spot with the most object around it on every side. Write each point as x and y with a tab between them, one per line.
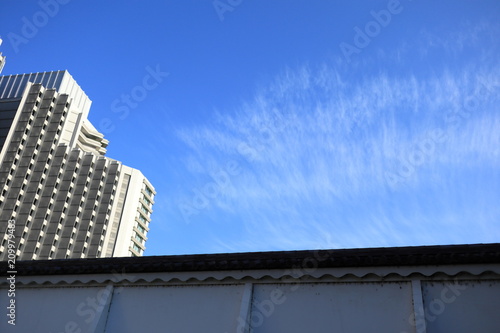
450	304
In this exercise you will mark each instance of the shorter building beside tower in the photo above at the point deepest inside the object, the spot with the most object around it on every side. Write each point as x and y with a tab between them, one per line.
67	199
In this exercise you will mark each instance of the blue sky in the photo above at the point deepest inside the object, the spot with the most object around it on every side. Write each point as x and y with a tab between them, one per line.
283	125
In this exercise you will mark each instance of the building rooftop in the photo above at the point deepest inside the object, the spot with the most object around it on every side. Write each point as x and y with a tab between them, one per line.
366	257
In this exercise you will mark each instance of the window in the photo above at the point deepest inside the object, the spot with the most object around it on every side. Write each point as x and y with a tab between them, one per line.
136	248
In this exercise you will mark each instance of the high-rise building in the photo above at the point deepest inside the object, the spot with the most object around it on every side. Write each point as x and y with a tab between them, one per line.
2	59
67	199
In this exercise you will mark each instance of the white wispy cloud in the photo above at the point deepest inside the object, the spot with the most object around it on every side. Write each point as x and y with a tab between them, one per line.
328	161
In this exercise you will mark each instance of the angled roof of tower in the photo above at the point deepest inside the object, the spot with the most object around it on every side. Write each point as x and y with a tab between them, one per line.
12	86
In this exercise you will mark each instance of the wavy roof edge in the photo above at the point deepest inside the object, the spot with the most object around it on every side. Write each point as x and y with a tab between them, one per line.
358	257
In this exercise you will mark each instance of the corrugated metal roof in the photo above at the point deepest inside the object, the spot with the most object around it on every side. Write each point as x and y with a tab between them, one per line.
364	257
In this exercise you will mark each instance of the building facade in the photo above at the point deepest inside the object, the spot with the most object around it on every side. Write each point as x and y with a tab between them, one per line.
66	198
2	58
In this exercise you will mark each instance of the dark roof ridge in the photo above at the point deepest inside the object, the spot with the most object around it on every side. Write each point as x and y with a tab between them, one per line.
357	257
